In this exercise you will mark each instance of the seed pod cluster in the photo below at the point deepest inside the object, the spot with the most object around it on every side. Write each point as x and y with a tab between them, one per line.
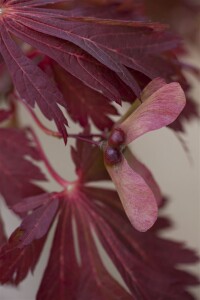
112	152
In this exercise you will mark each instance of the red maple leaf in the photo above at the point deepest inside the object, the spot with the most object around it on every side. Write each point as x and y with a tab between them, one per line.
77	42
17	173
83	102
15	263
106	56
75	270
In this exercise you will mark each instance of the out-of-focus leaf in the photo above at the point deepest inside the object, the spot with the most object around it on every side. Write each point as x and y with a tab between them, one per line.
83	103
89	163
15	263
17	173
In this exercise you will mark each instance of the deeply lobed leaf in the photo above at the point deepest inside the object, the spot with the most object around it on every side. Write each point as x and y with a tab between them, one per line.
31	83
15	263
83	102
90	50
75	270
108	52
111	42
17	173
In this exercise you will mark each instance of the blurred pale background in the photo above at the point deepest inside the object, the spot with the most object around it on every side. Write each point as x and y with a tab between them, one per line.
177	174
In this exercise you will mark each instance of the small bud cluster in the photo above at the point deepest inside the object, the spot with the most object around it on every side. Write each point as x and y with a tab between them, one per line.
112	152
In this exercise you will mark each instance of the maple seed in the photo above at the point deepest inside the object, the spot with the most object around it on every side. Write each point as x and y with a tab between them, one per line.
112	156
117	137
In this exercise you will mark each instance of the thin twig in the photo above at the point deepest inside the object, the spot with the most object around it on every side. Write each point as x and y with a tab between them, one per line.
63	182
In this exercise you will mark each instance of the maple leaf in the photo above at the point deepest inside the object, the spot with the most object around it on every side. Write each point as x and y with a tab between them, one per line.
84	103
116	55
17	173
35	225
111	57
165	64
91	279
77	62
15	262
106	52
146	262
31	83
69	38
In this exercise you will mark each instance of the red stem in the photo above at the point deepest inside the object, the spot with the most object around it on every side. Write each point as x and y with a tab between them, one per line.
40	125
48	131
63	182
84	139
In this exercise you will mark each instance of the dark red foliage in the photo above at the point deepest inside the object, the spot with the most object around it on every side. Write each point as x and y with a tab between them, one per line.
15	263
182	15
83	102
146	262
86	57
89	163
69	34
25	73
36	224
106	51
17	172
